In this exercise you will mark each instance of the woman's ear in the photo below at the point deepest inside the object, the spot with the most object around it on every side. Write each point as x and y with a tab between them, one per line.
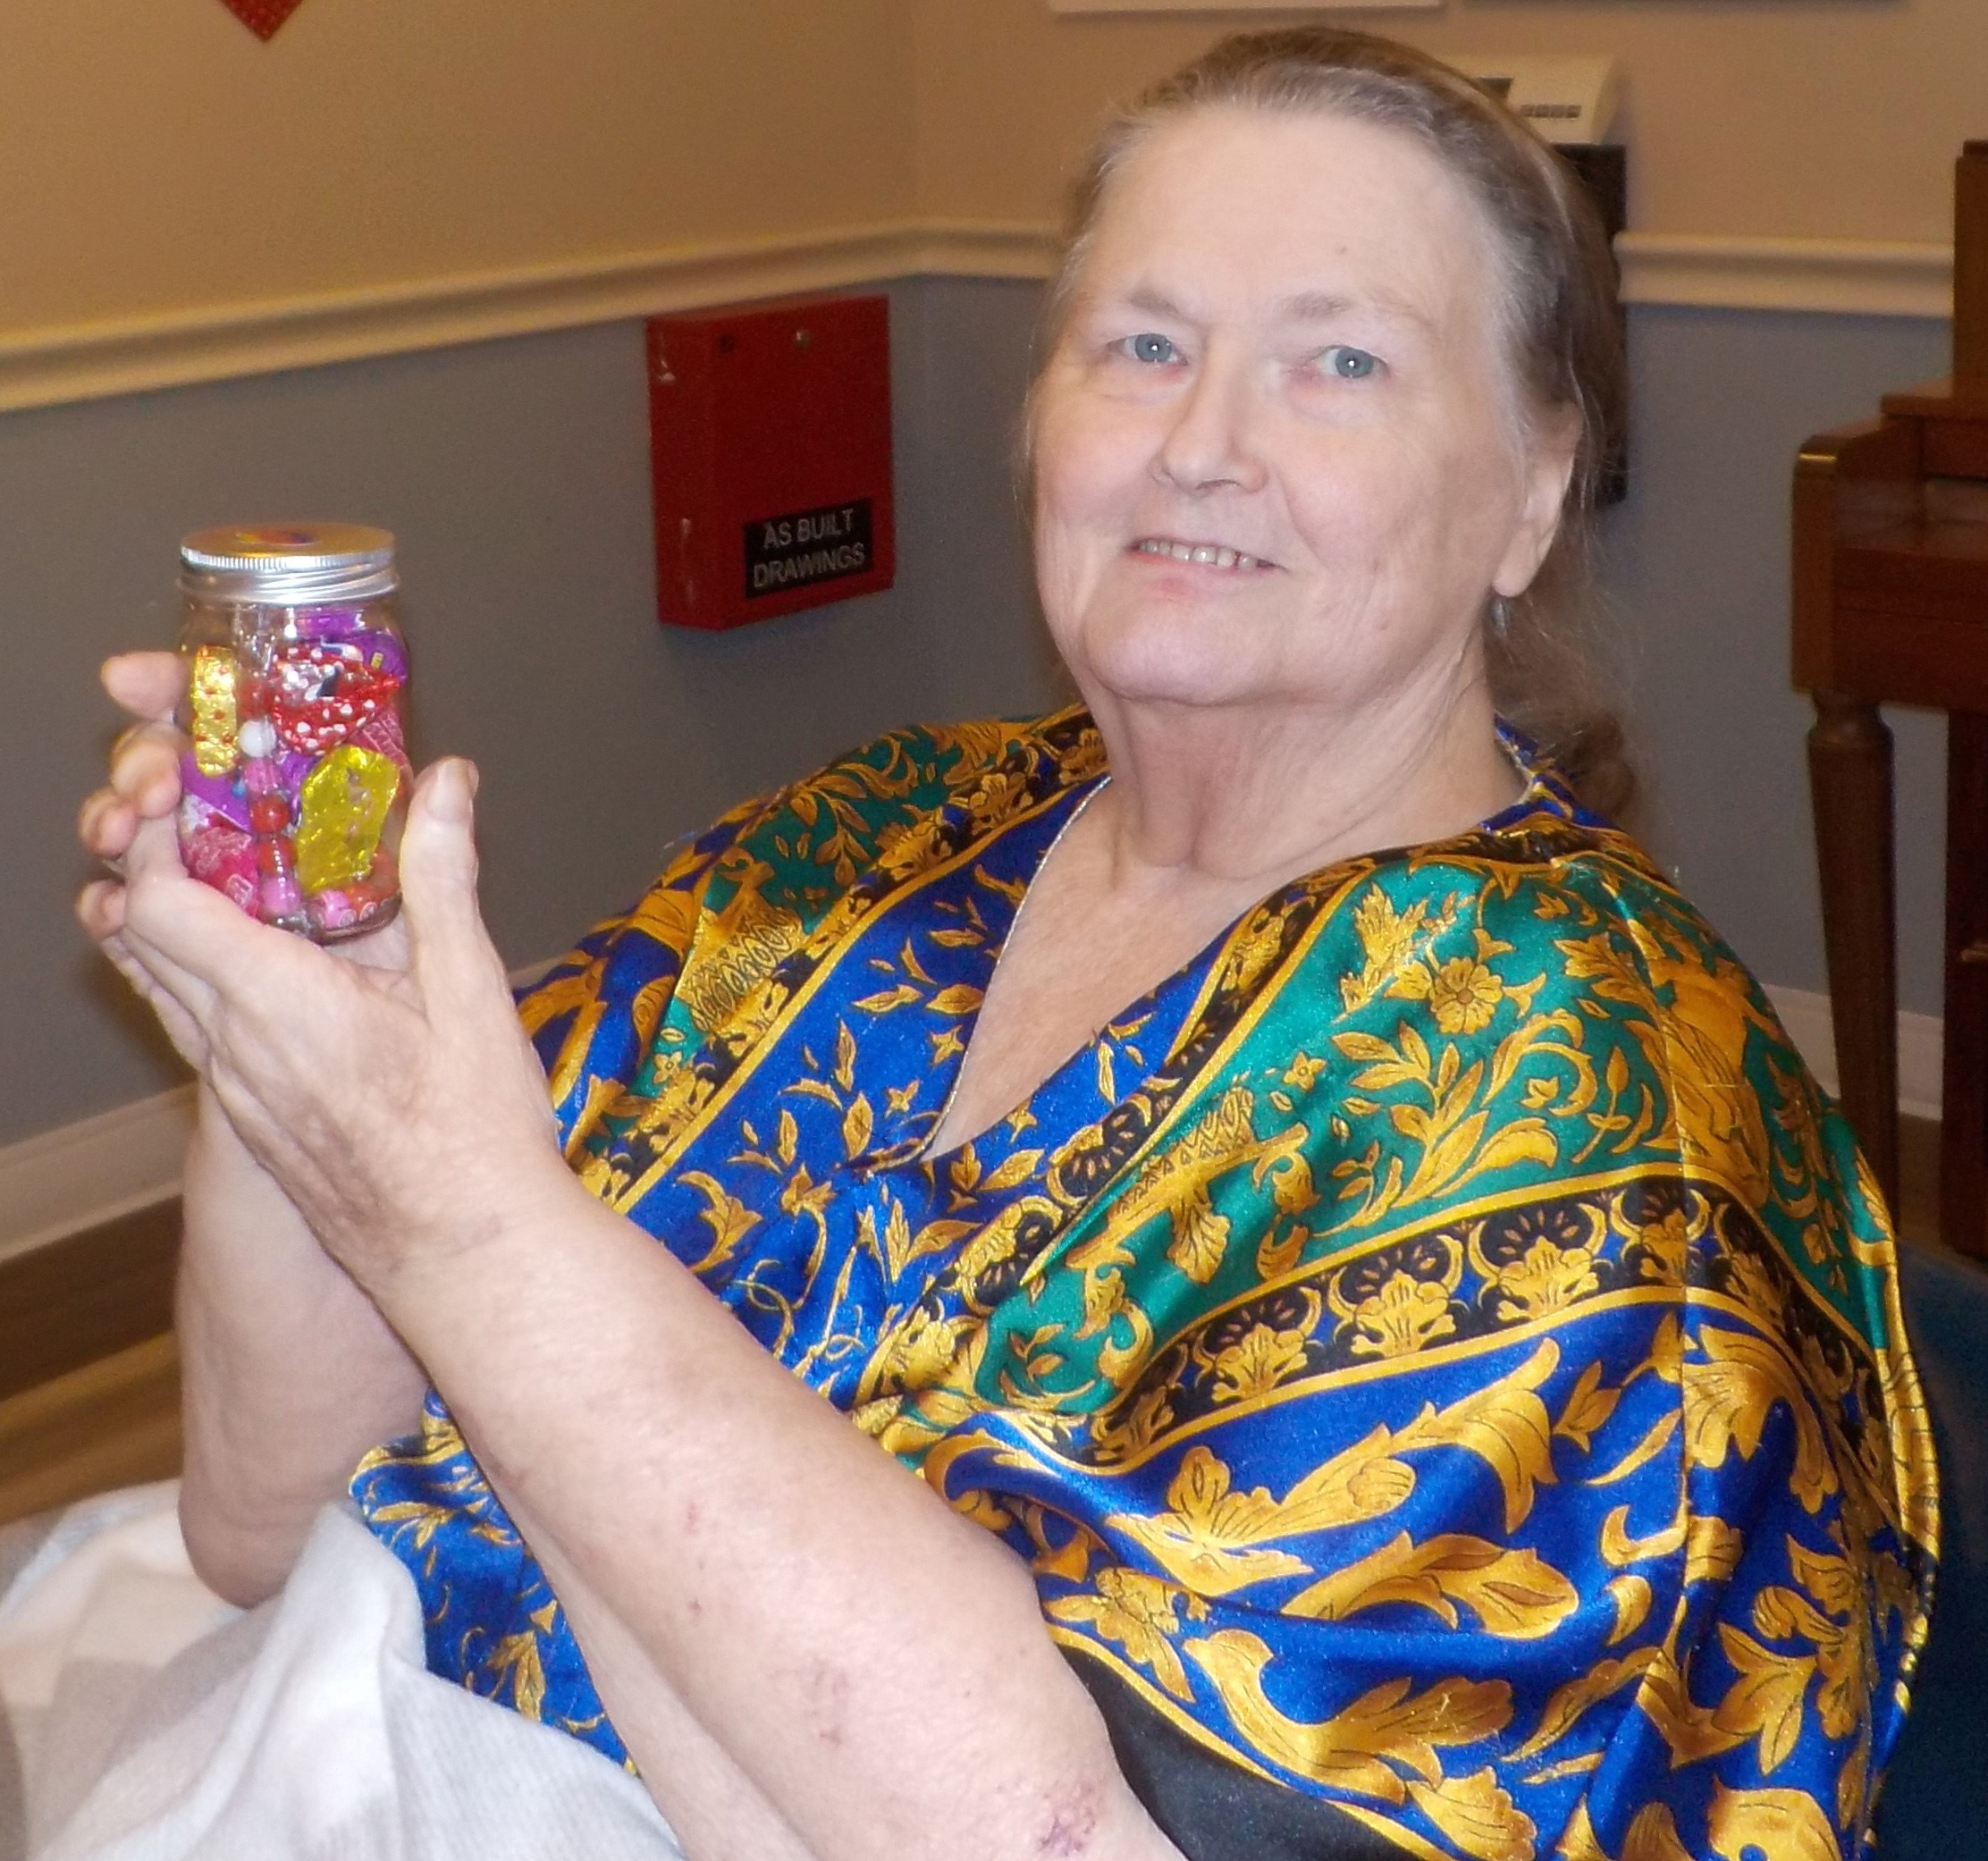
1548	468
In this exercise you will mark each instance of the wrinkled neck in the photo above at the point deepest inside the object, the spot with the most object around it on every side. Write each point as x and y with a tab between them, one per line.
1250	797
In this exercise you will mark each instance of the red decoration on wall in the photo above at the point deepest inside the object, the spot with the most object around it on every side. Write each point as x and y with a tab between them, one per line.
261	17
770	431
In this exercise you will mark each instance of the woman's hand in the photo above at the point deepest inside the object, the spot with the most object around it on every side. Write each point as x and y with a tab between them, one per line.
144	786
397	1107
400	1109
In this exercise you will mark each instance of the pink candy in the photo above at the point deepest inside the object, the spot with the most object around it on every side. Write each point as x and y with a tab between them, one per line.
281	897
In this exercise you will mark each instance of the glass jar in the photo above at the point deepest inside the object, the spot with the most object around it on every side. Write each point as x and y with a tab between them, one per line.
294	787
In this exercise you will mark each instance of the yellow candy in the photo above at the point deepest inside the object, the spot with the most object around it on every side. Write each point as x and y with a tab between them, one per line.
346	800
212	690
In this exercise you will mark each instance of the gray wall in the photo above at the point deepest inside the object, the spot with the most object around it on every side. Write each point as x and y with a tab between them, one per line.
516	473
1699	564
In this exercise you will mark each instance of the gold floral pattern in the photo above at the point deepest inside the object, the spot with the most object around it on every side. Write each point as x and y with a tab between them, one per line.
1439	1342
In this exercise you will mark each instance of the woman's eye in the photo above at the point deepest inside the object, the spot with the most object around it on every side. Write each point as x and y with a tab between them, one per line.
1149	348
1349	364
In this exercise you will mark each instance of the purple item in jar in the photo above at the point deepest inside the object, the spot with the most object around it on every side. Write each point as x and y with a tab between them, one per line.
221	796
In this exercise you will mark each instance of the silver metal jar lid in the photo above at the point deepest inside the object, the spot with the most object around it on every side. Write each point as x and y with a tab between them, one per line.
288	565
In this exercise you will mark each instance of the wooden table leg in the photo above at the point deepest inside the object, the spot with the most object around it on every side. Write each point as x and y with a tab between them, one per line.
1849	778
1964	1095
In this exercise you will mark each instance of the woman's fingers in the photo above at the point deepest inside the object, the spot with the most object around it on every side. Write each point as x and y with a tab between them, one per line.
144	769
104	823
145	760
100	909
148	685
182	1026
154	854
104	909
187	935
452	957
128	920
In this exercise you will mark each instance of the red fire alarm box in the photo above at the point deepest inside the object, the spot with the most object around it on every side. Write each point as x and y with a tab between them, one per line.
770	431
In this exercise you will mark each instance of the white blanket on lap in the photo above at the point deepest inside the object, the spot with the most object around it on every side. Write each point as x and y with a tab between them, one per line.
142	1719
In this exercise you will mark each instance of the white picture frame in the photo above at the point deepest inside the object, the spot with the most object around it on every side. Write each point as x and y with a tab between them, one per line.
1103	6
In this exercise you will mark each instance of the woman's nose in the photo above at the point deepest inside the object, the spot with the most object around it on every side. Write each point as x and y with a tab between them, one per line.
1210	443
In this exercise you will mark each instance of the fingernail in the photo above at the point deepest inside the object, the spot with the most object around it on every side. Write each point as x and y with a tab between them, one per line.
452	790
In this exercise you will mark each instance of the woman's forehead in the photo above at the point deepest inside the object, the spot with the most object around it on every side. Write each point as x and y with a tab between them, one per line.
1293	213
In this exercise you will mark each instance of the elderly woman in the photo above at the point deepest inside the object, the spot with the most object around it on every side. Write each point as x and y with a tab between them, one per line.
1227	1270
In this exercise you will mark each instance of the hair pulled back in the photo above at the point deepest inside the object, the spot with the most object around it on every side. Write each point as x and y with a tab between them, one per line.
1559	327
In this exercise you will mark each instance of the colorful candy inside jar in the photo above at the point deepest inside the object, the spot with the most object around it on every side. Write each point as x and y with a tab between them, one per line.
294	783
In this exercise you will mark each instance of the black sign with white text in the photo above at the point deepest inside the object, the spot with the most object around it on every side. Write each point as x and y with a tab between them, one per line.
806	546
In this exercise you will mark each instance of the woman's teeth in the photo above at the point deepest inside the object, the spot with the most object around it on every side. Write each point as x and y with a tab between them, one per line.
1211	554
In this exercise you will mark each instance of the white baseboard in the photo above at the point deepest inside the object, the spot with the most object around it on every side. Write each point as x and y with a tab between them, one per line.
83	1175
1805	1014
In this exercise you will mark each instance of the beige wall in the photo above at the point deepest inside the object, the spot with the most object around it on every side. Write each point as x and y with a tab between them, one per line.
163	171
155	156
1817	118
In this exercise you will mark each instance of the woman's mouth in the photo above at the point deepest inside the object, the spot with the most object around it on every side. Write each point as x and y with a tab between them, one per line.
1206	555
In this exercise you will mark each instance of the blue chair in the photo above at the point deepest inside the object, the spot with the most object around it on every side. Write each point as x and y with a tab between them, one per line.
1935	1799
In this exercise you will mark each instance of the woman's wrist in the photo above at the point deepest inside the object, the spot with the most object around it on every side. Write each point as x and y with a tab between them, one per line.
224	1185
435	1255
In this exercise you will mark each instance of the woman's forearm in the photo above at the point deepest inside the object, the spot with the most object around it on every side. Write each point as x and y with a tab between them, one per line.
716	1812
875	1665
289	1373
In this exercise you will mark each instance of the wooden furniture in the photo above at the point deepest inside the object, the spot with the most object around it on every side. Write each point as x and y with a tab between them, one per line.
112	1423
1890	605
90	1384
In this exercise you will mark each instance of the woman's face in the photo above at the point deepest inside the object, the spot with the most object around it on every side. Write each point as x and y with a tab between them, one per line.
1282	365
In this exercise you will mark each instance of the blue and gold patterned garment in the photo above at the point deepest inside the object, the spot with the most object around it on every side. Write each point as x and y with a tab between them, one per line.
1438	1352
